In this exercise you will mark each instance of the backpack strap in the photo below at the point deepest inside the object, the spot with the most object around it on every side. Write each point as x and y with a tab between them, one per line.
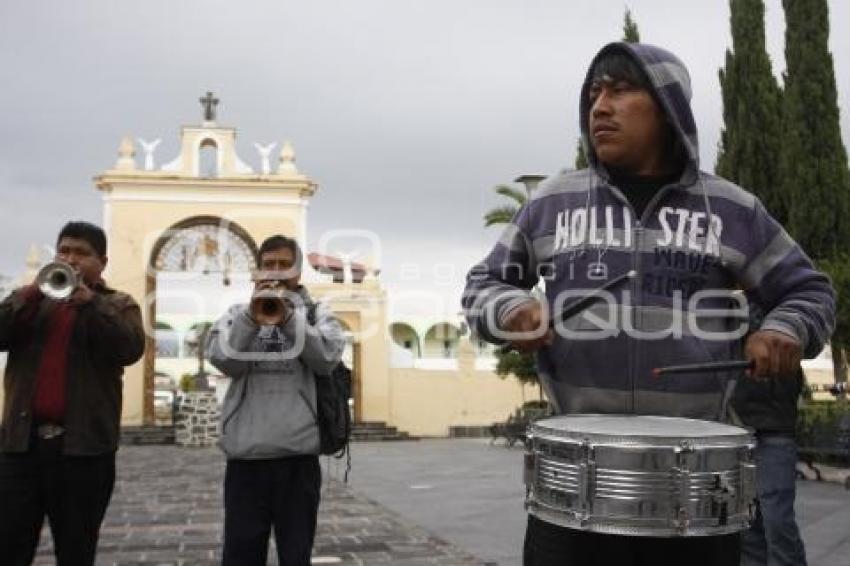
311	313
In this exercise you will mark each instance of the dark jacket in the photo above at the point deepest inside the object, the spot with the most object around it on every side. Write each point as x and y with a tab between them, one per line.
107	336
768	406
699	233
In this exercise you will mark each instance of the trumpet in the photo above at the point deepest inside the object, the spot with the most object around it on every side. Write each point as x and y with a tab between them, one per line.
57	280
268	303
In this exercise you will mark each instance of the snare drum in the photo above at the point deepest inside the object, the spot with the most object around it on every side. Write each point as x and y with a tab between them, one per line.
640	475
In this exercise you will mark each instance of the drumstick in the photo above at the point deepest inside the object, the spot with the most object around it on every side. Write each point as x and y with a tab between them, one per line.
730	365
592	297
583	303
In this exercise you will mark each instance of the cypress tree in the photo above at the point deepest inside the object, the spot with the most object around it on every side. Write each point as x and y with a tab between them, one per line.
813	161
631	34
581	156
751	137
630	29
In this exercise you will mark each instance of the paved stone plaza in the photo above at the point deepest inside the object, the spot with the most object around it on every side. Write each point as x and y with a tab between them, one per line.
449	502
166	509
480	494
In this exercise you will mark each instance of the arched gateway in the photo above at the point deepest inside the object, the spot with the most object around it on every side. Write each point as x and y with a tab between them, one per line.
186	231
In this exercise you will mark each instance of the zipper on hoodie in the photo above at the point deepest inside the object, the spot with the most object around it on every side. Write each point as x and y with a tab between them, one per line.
637	295
634	345
631	343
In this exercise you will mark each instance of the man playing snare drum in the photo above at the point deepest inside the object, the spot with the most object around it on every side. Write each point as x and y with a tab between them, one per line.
644	205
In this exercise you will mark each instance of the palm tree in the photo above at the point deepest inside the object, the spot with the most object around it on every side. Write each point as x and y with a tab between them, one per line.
503	214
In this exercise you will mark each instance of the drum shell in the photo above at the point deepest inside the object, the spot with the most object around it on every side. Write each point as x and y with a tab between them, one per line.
638	484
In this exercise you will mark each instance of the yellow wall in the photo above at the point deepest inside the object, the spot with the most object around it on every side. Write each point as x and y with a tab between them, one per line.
428	402
363	309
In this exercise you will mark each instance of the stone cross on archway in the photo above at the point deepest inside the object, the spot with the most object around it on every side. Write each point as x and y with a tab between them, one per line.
209	103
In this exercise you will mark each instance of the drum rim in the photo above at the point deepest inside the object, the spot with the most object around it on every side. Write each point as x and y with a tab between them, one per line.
732	436
652	527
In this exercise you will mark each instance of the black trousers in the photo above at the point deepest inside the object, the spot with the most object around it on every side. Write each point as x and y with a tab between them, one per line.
73	491
551	545
260	494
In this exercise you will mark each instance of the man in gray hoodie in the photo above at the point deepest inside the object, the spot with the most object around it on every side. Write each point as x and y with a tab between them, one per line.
644	205
269	429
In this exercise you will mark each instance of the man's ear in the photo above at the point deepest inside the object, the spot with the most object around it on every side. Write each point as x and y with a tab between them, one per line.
103	261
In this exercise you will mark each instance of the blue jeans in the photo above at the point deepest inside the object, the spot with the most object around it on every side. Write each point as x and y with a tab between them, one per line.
774	539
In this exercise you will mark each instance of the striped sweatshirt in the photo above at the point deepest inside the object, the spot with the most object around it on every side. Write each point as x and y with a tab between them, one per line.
703	250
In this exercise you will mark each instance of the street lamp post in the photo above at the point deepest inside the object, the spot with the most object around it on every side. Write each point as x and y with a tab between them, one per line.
198	339
530	181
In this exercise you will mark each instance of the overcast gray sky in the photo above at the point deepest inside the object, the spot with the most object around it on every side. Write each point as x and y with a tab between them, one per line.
406	112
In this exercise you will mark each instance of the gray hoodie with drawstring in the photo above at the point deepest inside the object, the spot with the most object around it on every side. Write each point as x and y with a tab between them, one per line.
270	408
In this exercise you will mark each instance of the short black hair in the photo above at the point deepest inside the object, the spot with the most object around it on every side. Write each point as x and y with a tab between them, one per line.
618	66
278	242
94	235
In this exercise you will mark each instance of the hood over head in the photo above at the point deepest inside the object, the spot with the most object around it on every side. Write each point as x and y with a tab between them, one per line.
670	85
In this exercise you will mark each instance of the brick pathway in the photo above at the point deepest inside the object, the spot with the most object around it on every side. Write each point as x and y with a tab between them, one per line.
166	509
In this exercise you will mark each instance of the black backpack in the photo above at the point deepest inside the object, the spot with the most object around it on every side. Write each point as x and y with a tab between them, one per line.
333	415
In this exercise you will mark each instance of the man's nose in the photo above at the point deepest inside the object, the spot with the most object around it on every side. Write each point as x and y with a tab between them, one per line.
601	106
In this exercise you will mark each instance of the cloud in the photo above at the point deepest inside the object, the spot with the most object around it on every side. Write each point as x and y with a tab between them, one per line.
406	113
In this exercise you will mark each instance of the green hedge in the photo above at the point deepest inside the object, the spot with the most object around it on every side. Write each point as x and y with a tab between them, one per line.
817	422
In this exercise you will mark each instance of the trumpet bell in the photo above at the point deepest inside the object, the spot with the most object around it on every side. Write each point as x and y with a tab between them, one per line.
57	280
267	305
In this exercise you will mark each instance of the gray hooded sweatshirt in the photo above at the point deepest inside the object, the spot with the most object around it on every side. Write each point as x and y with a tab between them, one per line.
270	408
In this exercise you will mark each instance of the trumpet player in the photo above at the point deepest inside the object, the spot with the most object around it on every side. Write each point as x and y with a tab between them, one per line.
69	337
273	349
